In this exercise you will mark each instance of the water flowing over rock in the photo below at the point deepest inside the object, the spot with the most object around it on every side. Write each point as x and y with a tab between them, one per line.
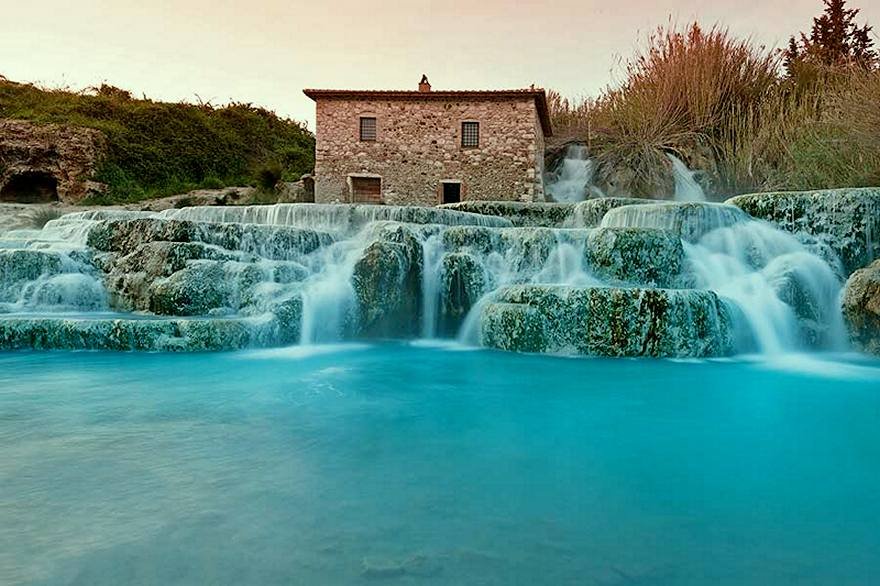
572	179
520	214
787	295
690	221
589	214
344	218
861	307
848	220
606	321
609	276
686	186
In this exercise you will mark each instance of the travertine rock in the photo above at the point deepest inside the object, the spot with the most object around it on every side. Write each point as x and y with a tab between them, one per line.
847	219
47	162
606	321
861	307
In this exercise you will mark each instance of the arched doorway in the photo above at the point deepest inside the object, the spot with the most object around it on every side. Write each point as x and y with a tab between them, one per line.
30	187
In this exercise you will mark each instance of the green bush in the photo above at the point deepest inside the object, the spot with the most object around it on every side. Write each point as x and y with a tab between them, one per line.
156	149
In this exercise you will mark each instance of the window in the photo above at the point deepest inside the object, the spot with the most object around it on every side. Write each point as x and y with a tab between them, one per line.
368	129
470	134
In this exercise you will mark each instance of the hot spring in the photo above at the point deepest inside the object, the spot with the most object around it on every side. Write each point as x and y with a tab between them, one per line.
609	391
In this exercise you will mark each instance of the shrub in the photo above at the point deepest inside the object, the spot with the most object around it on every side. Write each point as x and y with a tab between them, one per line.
841	146
42	216
681	95
269	175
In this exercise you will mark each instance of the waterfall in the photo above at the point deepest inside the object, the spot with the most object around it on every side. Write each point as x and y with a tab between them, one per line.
785	292
688	220
572	181
560	261
338	218
432	253
686	186
379	265
48	271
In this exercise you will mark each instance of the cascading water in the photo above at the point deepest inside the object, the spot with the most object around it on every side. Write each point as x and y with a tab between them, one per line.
268	265
686	186
47	271
572	180
779	286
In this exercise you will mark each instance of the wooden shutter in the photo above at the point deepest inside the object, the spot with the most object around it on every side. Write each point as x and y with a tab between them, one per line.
366	190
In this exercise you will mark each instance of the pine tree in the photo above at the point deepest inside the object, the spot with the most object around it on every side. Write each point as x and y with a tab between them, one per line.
835	39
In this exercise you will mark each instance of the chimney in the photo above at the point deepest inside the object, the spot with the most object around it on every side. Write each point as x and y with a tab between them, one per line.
424	86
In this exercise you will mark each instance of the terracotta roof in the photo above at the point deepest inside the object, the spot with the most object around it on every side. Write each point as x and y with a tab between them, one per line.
539	96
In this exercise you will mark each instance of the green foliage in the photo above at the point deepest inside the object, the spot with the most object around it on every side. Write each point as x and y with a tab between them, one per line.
835	39
156	149
269	175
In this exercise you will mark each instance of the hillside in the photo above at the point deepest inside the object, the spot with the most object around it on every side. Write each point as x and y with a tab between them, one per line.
152	149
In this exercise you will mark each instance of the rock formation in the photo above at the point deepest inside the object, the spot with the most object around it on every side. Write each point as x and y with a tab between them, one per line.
848	220
609	321
652	279
861	307
47	162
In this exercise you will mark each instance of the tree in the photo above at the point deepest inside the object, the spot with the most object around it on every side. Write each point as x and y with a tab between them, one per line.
835	39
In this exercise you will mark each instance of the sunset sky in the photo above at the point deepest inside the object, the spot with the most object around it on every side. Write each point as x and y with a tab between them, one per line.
267	51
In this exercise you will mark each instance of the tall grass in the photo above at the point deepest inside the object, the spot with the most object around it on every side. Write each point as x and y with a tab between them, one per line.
721	104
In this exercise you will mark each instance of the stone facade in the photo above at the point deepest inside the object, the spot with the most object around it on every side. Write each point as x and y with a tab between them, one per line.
418	145
47	162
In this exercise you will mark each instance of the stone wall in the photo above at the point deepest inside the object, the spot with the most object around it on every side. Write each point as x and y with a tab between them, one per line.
418	147
47	162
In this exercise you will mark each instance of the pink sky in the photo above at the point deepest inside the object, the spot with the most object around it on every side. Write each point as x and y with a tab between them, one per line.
267	51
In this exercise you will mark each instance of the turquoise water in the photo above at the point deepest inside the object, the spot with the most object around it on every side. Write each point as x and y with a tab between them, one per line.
408	464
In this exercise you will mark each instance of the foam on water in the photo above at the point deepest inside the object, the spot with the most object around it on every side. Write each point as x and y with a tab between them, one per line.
572	181
774	281
686	186
784	289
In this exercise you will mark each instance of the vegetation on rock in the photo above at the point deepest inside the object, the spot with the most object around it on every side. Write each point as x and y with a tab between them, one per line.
156	149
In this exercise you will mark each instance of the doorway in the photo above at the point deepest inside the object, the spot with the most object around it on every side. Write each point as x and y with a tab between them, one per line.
451	192
366	190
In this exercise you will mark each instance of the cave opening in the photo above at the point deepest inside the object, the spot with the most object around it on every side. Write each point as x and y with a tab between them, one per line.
30	187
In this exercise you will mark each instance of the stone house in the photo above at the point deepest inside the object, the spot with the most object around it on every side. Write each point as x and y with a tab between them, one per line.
429	147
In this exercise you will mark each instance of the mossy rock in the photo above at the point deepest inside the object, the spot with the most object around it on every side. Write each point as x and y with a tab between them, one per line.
387	281
643	256
847	219
608	321
463	283
520	214
186	335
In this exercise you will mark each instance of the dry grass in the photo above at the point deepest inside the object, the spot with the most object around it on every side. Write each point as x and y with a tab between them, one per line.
721	105
682	94
42	216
